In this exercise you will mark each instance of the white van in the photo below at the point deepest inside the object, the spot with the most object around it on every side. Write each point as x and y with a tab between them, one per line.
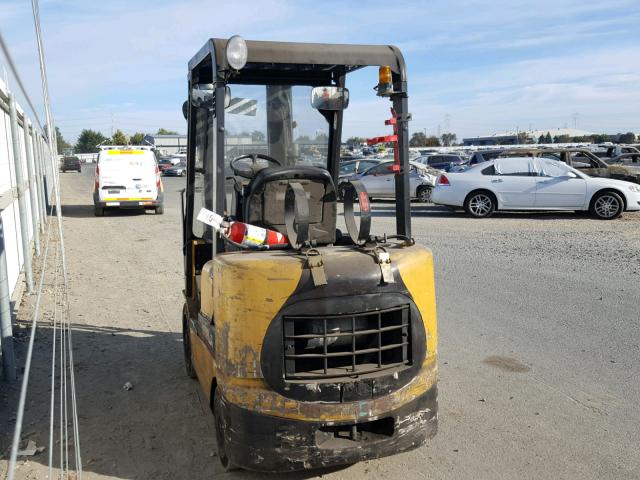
127	177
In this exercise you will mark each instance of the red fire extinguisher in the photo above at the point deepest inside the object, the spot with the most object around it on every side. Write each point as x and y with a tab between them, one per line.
253	236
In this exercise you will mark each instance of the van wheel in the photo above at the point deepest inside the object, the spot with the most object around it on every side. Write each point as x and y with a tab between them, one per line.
221	428
480	204
160	210
606	206
186	345
98	211
424	194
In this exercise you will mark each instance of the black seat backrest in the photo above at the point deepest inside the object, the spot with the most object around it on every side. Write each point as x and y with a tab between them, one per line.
263	202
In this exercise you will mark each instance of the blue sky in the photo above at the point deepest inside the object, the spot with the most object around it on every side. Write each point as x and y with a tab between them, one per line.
476	67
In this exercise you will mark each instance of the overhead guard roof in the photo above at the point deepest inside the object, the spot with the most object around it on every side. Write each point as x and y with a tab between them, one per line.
308	54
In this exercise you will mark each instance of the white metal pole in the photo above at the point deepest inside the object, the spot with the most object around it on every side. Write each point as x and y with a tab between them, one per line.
6	327
20	182
32	184
37	149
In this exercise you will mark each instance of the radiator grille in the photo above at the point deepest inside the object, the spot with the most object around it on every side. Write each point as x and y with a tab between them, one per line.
330	346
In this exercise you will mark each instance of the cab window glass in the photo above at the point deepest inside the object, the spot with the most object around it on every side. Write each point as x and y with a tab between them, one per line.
579	161
348	168
554	169
204	123
382	169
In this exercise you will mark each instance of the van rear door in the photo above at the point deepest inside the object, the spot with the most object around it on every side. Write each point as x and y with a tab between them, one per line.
128	175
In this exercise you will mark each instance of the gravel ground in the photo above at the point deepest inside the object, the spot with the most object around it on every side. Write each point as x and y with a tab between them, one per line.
539	349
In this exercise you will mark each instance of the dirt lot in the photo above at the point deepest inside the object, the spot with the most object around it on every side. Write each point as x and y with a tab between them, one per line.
539	349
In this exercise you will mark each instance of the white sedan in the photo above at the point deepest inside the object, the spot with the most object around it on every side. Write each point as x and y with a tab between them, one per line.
379	181
526	183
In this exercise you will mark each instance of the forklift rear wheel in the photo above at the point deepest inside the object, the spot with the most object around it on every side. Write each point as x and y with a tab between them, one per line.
220	430
186	345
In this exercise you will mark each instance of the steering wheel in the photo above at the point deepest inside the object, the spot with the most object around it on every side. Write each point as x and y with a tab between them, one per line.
251	171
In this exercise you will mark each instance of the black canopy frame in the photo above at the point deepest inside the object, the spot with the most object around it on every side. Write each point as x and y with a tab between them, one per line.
288	63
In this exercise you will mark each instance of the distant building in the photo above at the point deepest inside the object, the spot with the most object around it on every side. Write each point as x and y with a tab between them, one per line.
532	136
168	144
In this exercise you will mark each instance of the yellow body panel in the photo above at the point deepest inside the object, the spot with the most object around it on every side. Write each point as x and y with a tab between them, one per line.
243	292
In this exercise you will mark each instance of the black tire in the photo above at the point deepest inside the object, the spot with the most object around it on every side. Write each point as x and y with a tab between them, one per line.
160	210
98	211
221	428
480	204
606	205
183	173
186	345
424	194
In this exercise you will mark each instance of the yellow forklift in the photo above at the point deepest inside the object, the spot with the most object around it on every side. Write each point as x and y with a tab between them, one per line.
315	345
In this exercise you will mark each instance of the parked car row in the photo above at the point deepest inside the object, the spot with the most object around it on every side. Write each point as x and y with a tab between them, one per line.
560	179
534	183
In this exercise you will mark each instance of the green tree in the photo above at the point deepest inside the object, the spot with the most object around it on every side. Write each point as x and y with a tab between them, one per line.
163	131
258	136
355	140
119	138
136	139
303	138
601	138
582	139
321	138
432	141
541	139
628	137
448	139
561	139
547	138
88	141
62	144
418	139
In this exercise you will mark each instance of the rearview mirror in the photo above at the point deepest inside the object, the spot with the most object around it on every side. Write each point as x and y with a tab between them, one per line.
329	98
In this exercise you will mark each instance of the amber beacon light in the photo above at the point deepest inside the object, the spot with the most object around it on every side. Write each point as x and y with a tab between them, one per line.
385	84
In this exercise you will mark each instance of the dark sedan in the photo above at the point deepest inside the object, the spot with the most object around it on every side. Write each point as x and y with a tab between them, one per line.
441	161
164	164
178	170
70	163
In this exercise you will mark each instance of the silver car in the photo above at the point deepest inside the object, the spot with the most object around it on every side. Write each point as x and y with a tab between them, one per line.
379	181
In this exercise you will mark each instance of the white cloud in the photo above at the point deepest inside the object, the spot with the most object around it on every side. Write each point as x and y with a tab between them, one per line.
489	66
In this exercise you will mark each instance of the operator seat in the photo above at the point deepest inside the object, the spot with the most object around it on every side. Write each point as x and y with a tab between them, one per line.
263	200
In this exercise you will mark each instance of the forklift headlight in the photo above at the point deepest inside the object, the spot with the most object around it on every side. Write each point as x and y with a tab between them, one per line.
236	52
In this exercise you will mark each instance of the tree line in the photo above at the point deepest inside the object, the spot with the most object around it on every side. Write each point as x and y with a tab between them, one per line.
628	137
89	140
